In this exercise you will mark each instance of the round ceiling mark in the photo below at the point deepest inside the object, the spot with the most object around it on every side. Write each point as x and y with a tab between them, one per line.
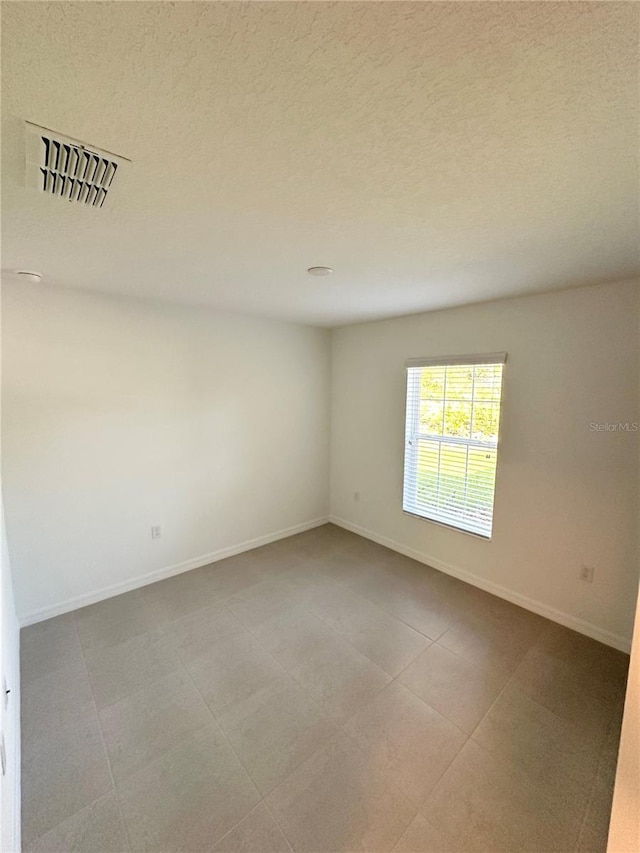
29	275
319	271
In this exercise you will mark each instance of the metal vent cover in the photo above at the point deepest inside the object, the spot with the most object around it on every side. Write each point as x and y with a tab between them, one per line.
65	167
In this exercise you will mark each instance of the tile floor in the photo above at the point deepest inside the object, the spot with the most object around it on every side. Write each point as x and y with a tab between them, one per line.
318	694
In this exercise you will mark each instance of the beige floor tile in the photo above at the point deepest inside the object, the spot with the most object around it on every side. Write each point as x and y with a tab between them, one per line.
554	683
339	801
610	748
463	596
577	648
268	600
340	678
591	666
545	747
407	568
275	730
499	614
256	833
421	837
414	572
185	593
118	671
456	688
340	535
492	646
115	620
196	634
188	799
346	568
319	541
228	577
62	774
293	636
98	828
412	603
48	646
383	639
482	804
407	739
152	721
368	550
595	827
233	671
275	558
52	703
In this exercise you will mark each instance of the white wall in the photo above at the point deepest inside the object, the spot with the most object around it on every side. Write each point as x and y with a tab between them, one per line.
9	716
565	495
121	414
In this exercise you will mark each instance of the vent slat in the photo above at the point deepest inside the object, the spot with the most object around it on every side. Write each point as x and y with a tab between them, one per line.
100	172
108	175
47	149
64	158
74	160
93	166
85	165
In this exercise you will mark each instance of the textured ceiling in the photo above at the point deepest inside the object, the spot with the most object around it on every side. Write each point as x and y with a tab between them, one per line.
434	154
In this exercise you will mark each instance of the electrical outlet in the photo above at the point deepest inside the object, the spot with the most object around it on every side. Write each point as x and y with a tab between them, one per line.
156	532
587	573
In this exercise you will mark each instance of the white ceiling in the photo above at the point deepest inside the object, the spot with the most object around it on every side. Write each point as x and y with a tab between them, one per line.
434	154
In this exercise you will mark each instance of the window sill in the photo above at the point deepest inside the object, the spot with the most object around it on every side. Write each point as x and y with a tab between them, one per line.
481	536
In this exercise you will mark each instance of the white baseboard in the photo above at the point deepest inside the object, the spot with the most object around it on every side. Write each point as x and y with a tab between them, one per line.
160	574
580	625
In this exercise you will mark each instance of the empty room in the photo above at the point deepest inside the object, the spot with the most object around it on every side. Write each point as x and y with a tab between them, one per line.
320	427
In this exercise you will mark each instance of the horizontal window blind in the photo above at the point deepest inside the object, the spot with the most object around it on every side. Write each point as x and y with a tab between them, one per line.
451	448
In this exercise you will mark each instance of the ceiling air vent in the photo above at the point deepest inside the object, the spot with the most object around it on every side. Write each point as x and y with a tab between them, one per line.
65	167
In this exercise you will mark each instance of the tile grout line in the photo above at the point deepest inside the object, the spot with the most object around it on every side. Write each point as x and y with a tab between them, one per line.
182	666
262	799
329	627
341	730
157	629
508	761
238	759
104	743
594	783
278	824
391	677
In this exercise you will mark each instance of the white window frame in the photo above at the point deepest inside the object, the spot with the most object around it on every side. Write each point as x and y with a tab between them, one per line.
412	432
